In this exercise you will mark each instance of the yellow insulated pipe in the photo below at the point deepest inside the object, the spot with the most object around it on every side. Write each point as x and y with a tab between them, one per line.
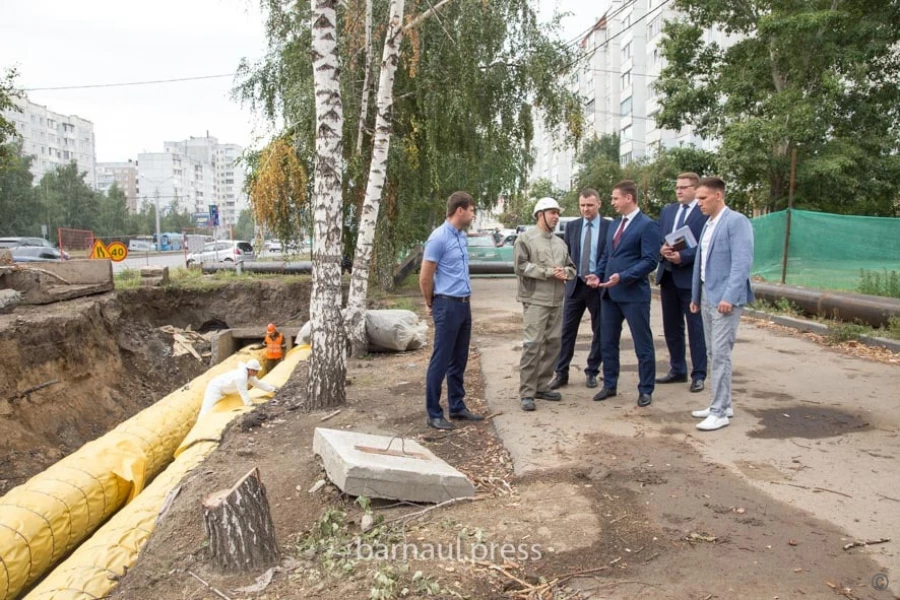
45	518
88	573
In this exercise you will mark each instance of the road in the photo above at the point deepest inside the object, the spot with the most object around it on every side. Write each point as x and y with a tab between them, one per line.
816	429
136	260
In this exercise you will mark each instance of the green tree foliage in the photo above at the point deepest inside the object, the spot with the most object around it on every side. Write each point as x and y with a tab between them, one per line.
68	200
20	209
818	76
8	91
244	228
462	113
112	218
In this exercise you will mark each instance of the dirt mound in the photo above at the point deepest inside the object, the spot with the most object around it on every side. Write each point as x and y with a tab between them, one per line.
73	370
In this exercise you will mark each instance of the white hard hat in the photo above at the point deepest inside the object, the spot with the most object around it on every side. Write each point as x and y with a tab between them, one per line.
545	204
253	365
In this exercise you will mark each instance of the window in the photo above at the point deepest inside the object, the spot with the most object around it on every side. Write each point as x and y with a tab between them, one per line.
625	107
626	22
655	56
626	51
654	27
589	107
625	158
626	133
626	79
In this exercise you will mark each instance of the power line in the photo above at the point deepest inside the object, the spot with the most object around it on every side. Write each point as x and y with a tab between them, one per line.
130	83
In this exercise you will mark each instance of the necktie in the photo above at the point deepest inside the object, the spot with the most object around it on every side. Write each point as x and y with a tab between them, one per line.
619	232
585	265
681	216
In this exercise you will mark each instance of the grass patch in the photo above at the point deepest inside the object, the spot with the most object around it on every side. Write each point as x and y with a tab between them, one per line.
128	279
782	306
879	283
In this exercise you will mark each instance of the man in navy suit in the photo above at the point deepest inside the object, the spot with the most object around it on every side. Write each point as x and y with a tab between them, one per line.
632	247
674	275
586	239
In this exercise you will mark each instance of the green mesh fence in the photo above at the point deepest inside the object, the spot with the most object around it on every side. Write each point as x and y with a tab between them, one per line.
826	251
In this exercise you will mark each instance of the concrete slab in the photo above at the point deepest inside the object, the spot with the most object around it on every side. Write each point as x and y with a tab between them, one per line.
384	467
46	282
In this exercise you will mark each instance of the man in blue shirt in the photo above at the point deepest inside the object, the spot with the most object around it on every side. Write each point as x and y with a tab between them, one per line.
444	281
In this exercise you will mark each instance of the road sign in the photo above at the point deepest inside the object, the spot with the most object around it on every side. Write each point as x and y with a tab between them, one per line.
214	215
117	251
99	250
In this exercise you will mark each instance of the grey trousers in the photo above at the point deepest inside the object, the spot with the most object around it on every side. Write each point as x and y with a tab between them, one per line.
540	348
720	332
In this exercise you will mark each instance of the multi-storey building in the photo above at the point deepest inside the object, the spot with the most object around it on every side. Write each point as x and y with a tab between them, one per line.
54	140
620	60
193	174
124	175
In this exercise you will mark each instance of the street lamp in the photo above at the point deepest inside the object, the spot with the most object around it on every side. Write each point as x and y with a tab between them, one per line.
158	184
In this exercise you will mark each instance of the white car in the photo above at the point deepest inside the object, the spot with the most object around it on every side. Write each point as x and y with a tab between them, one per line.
222	251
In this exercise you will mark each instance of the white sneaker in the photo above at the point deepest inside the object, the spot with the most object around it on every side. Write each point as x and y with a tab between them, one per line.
702	414
712	422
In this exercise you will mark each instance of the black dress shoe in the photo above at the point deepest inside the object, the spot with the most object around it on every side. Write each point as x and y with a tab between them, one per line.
644	400
605	393
591	381
558	382
466	415
697	385
440	423
549	395
671	377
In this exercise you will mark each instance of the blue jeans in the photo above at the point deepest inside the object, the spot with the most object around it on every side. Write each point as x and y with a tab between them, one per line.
452	331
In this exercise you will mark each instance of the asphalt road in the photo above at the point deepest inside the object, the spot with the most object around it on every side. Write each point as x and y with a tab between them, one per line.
136	260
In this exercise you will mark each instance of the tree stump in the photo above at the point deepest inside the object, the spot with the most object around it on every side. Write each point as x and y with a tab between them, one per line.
239	526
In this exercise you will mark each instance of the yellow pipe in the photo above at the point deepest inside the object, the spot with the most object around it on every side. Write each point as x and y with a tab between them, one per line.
45	518
86	574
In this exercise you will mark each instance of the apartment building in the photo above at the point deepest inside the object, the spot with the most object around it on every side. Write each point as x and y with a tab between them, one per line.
124	175
191	175
620	60
54	140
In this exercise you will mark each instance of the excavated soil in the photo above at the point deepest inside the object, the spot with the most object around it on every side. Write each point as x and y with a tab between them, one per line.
71	371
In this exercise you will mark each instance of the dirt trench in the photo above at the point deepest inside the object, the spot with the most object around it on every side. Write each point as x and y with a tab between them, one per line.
102	359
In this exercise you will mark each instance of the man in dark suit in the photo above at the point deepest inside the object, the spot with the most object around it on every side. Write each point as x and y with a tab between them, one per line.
632	247
674	275
586	239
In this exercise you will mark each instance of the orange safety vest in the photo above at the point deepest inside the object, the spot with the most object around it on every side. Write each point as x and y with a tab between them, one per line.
274	351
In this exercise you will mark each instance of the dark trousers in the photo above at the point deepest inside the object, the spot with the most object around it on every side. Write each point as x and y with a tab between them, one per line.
584	298
452	331
676	307
638	316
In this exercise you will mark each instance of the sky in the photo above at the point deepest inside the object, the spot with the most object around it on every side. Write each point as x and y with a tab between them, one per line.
89	42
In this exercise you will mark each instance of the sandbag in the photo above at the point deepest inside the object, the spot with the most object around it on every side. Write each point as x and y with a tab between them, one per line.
394	330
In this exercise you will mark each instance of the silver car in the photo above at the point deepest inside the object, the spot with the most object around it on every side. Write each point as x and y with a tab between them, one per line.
222	251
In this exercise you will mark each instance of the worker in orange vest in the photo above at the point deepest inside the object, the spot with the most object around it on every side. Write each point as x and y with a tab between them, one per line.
274	347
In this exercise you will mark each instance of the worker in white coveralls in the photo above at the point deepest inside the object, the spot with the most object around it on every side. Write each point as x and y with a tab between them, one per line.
236	380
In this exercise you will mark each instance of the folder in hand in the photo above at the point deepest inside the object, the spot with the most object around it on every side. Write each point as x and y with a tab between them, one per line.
681	238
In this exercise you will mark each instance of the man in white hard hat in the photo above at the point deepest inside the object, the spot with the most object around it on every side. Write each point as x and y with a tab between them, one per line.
236	380
543	266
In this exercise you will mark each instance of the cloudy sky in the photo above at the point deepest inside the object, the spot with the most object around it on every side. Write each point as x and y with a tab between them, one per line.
90	42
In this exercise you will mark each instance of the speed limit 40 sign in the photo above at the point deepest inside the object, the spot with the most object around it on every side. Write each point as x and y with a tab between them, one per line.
117	251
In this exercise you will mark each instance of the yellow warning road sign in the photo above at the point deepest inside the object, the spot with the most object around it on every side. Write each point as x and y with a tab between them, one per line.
99	250
117	251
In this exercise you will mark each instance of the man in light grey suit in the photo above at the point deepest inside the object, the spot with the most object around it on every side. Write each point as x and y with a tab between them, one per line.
720	289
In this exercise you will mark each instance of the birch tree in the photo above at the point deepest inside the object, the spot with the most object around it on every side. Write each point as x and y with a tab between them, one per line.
364	103
327	367
359	283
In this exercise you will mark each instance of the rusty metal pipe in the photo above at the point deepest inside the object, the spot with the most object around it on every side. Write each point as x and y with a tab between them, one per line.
293	268
871	310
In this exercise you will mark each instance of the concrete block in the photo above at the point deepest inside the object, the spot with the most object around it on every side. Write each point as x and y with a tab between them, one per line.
45	282
383	467
222	346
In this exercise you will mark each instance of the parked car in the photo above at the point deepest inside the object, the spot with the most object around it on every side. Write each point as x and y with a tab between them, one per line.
482	249
31	242
274	246
35	254
222	251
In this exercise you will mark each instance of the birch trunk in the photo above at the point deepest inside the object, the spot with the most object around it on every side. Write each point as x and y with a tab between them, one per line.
359	283
364	104
327	367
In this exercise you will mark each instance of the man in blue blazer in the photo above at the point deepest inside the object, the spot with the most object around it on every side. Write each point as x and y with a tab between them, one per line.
632	247
586	239
721	288
674	277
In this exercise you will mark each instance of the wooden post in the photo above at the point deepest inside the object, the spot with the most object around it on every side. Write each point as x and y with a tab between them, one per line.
787	226
239	526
